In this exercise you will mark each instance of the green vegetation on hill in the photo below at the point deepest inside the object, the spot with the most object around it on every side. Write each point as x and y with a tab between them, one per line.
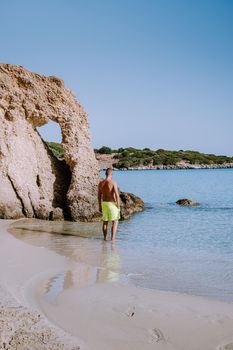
132	157
56	148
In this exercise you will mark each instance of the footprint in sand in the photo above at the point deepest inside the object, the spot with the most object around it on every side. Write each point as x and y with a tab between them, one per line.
226	347
130	311
156	335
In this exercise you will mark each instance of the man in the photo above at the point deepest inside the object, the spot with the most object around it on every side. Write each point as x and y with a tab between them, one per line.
109	204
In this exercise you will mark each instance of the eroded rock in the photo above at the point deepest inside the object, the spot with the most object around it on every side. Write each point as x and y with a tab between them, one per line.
130	204
33	183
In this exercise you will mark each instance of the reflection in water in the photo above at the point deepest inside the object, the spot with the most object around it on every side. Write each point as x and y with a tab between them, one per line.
55	286
111	264
83	275
62	237
91	261
87	229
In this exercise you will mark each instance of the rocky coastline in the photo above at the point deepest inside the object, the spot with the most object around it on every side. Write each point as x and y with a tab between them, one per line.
109	160
179	167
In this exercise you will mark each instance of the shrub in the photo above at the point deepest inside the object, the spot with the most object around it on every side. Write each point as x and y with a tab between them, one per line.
121	165
105	150
57	149
125	154
147	161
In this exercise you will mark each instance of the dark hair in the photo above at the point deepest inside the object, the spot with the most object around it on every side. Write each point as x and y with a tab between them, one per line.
108	171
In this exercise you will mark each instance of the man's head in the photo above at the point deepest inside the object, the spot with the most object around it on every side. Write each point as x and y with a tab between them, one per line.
108	172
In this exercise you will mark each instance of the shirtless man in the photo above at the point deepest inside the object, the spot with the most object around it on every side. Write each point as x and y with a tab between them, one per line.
109	204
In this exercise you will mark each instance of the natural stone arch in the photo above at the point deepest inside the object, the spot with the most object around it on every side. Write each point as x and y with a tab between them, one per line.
27	101
62	175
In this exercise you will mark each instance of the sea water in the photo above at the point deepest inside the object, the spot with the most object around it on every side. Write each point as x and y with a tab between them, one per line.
185	249
166	247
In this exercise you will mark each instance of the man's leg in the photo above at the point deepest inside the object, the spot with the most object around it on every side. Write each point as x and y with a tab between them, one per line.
114	230
105	229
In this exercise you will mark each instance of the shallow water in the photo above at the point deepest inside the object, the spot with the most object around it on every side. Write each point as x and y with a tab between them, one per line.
165	247
183	249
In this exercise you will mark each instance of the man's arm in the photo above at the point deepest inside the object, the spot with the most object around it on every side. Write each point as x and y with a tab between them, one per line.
116	191
100	196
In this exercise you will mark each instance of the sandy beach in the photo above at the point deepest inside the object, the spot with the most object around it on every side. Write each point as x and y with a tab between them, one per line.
50	301
116	168
23	326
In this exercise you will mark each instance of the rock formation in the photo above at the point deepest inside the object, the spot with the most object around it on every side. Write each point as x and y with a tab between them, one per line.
33	182
187	202
130	204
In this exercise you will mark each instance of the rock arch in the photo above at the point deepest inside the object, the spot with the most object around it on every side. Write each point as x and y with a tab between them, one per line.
31	177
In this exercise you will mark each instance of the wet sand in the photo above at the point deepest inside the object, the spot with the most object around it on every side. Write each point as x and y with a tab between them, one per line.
22	324
88	299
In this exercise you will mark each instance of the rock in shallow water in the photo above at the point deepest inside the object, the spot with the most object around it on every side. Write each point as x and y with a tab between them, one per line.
187	202
130	204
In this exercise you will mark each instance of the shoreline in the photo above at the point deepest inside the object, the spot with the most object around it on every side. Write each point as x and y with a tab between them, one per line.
106	315
22	325
137	160
177	167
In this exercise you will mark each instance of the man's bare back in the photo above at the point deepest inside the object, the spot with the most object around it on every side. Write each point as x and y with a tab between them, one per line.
108	190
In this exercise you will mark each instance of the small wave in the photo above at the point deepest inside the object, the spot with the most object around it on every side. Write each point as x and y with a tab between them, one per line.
208	208
148	207
202	206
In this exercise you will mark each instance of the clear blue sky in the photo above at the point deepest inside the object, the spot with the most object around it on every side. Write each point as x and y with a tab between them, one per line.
150	73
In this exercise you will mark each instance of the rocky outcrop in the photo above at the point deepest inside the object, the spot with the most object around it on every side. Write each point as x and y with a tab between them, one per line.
187	202
33	183
106	160
130	204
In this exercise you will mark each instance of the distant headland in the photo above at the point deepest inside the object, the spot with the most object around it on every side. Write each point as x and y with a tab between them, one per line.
146	159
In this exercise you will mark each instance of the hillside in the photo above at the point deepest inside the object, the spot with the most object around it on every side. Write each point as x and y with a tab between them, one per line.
132	158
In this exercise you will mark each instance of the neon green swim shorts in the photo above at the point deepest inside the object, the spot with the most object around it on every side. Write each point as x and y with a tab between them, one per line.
110	211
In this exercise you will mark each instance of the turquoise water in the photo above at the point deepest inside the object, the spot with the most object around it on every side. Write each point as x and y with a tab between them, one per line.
165	247
178	248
